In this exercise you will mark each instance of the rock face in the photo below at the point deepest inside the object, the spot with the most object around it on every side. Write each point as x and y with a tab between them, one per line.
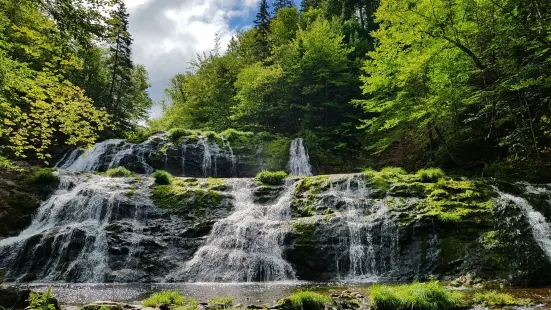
349	227
186	155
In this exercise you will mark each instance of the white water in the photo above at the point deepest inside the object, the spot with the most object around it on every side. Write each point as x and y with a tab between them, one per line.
246	246
540	227
71	230
91	158
299	161
371	237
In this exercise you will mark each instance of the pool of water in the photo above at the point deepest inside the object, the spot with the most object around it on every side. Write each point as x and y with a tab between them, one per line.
266	293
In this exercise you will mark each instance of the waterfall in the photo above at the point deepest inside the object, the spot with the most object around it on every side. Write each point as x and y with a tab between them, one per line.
541	230
67	239
299	162
70	160
371	234
232	158
246	246
91	158
184	150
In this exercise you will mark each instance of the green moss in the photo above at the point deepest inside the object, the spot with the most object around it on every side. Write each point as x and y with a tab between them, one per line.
221	303
119	172
275	151
430	175
306	300
184	201
170	298
497	299
419	296
43	177
271	178
233	135
162	177
306	232
451	249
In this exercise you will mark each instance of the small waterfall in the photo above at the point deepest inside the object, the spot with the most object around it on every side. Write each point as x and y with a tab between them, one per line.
91	158
232	158
540	227
371	235
211	152
299	162
126	150
246	246
184	150
70	160
67	239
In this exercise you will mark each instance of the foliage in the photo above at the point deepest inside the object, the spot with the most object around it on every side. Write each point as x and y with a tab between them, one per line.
162	177
53	75
421	296
221	302
170	298
271	178
119	172
497	299
41	301
43	176
8	164
431	174
392	171
303	300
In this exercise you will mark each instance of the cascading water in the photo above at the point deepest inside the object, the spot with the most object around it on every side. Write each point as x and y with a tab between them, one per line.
541	229
299	161
371	234
246	246
91	159
67	240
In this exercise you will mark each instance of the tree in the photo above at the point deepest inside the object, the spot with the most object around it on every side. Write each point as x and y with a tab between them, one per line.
280	4
262	25
39	106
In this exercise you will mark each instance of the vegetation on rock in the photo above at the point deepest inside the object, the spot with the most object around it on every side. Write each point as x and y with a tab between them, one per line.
43	177
422	296
170	298
271	178
498	299
162	177
305	300
120	172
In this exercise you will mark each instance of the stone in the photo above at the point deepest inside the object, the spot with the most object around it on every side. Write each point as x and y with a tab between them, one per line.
2	275
16	299
103	304
164	307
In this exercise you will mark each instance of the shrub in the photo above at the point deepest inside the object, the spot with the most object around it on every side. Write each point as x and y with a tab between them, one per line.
392	171
221	303
41	301
420	296
119	172
8	164
271	178
138	136
430	175
162	177
43	176
176	133
306	300
232	134
170	298
211	135
495	299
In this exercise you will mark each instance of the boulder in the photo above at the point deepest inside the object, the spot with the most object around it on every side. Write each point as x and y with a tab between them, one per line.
104	305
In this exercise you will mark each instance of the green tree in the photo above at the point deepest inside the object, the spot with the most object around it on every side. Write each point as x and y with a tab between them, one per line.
262	25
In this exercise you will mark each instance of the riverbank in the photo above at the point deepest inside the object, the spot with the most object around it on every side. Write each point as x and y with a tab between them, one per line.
216	296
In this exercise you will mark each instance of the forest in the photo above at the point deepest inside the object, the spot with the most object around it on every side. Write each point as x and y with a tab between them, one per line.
464	85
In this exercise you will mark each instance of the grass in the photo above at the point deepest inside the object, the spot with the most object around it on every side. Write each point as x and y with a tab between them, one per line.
496	299
305	300
430	175
119	172
43	176
271	178
392	171
176	133
170	298
419	296
221	303
162	177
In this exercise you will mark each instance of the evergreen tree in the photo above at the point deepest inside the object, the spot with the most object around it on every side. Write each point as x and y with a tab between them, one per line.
262	24
279	4
310	4
120	66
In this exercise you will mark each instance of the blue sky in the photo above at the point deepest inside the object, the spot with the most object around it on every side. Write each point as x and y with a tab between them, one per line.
169	33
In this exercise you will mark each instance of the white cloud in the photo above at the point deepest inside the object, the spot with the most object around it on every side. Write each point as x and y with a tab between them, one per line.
169	33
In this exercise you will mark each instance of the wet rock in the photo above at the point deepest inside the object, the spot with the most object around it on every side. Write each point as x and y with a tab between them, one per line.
103	305
16	299
2	275
164	307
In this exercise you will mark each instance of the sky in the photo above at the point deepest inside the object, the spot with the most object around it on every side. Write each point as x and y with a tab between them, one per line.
168	34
